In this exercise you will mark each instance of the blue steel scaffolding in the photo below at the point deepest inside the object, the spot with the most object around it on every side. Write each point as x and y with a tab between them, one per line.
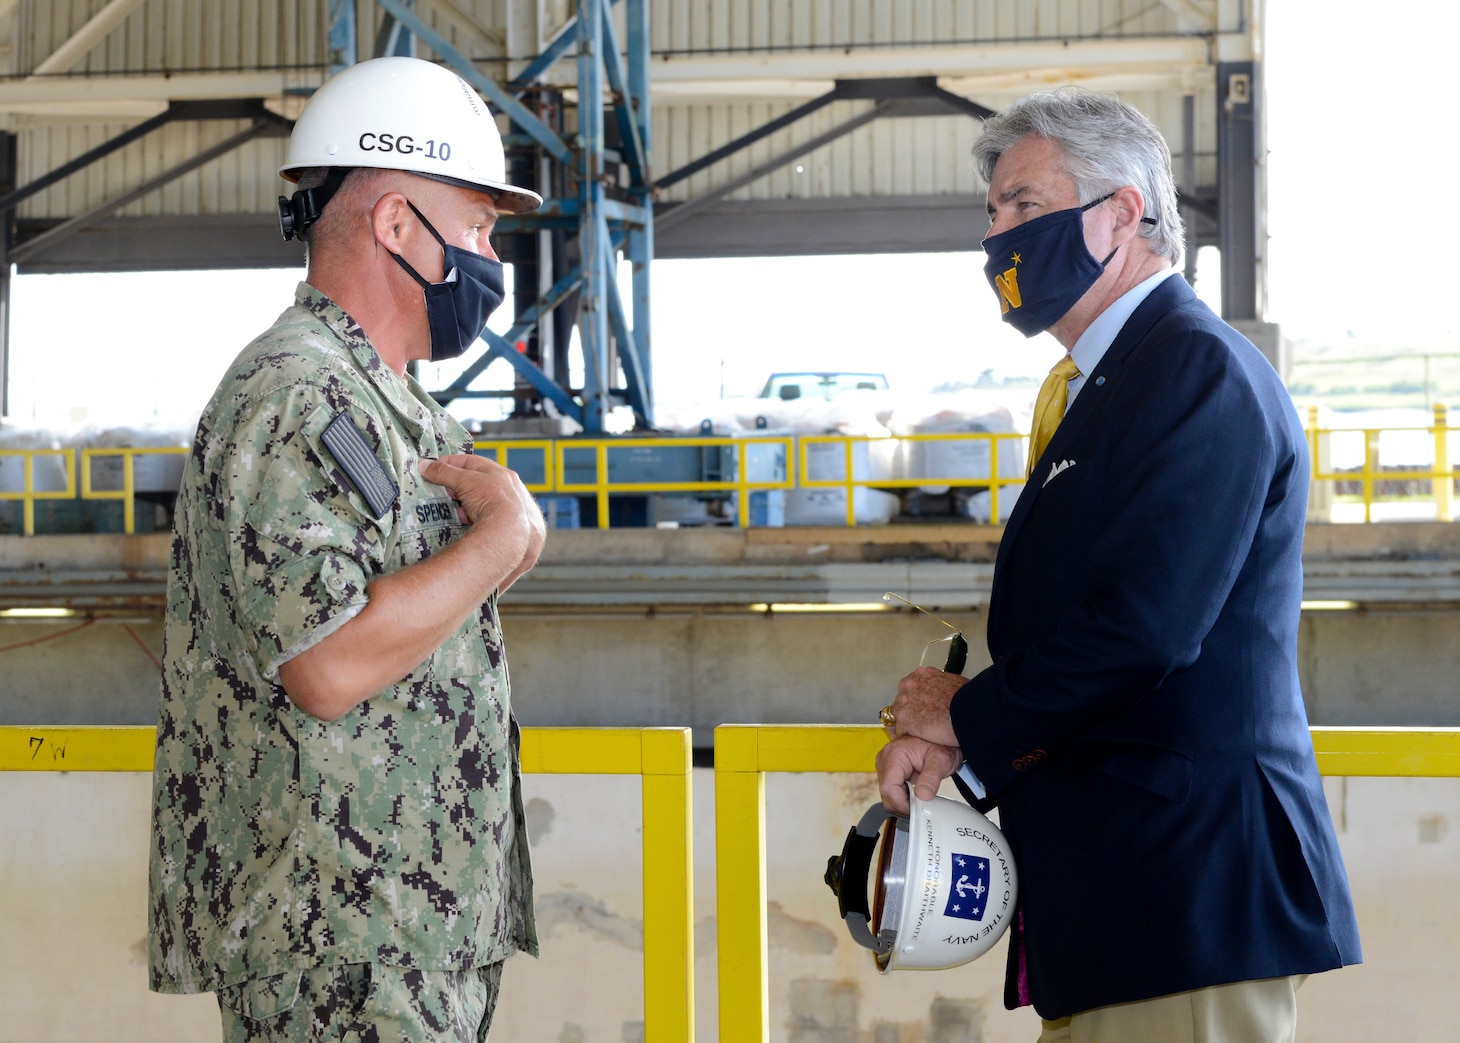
587	213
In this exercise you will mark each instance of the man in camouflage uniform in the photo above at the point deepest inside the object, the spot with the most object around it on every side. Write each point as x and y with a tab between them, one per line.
338	844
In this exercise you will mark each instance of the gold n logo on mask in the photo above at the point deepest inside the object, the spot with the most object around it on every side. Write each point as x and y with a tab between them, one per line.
1008	287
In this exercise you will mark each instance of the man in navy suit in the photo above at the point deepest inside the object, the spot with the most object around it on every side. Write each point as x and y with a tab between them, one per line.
1141	727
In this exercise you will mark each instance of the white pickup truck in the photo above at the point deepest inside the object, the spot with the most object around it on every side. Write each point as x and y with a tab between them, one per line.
790	386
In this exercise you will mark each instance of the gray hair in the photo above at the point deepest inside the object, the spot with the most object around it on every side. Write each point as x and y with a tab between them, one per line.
1106	143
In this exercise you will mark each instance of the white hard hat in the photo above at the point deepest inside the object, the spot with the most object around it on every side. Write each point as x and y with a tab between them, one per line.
945	886
405	114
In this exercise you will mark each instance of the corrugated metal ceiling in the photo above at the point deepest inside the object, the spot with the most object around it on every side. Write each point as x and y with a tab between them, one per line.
81	72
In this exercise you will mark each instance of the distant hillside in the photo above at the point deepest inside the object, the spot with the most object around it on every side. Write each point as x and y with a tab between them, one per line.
1355	374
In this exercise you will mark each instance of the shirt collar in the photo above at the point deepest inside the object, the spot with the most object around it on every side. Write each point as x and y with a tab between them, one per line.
1100	334
403	394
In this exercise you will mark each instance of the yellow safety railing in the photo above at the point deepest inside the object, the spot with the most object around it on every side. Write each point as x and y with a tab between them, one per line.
743	756
745	752
660	756
127	456
512	452
28	494
1441	475
991	461
980	473
557	468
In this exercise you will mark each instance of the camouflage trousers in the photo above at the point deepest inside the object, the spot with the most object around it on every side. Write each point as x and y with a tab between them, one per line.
362	1003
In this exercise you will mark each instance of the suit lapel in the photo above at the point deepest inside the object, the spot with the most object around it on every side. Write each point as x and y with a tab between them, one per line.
1170	294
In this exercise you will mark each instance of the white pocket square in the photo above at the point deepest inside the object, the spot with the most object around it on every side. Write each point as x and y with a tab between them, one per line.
1055	469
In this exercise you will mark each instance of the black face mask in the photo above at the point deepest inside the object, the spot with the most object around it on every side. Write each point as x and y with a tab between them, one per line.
1041	268
457	308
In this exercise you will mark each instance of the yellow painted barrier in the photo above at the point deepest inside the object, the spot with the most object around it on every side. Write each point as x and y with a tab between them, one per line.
603	483
743	756
514	453
127	494
745	752
811	462
661	756
28	494
1441	474
985	461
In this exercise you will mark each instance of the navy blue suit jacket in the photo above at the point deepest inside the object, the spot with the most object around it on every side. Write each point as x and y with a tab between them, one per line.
1141	728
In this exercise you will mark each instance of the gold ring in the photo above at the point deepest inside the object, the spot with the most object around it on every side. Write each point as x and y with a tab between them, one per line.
887	717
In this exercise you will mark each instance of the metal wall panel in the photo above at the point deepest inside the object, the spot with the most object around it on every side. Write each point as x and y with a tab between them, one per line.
176	35
287	39
161	37
244	181
722	68
776	55
698	26
926	155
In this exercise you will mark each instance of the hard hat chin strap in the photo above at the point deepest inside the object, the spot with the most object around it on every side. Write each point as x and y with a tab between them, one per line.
303	208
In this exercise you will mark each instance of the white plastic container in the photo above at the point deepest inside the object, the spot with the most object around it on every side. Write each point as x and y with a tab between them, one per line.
944	461
48	470
151	472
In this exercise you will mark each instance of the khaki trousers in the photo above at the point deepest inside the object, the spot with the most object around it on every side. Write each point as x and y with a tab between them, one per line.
1264	1011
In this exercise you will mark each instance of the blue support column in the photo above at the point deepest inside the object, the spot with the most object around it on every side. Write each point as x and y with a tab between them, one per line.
1238	188
463	67
640	238
592	227
342	35
394	40
611	338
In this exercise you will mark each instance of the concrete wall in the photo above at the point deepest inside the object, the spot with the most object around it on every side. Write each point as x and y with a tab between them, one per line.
73	846
704	666
72	922
630	627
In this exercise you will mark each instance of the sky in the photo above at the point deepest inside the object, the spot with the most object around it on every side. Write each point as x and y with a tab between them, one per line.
1362	244
1362	218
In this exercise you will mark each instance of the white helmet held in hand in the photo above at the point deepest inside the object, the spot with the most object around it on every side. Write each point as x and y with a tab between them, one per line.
400	114
945	887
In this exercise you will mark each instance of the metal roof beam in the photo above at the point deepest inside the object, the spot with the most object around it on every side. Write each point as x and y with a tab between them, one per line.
99	96
63	58
745	140
737	74
618	84
686	209
981	69
560	44
463	67
905	89
178	110
20	251
1191	16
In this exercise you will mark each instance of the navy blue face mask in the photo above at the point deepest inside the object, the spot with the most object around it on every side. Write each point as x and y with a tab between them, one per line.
457	308
1041	268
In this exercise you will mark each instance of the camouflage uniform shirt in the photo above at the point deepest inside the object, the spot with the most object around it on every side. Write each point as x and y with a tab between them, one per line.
279	841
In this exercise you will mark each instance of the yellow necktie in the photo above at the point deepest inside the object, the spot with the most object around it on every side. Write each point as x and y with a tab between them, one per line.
1049	408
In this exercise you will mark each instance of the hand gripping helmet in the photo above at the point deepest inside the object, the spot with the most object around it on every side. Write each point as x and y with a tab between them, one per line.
397	114
945	886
